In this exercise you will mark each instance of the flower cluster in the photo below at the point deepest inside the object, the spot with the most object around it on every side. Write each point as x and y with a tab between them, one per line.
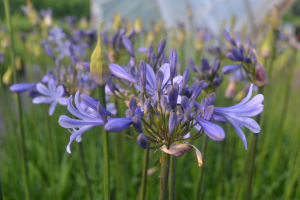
247	57
163	108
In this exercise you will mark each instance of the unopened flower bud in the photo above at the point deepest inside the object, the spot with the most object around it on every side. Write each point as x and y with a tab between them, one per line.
149	52
172	96
173	62
99	69
172	123
185	76
127	45
141	140
159	79
147	105
143	72
211	99
164	104
137	123
161	47
208	113
132	105
186	107
261	78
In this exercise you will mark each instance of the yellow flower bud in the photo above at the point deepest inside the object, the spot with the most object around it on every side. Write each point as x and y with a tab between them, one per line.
116	21
99	69
138	25
7	76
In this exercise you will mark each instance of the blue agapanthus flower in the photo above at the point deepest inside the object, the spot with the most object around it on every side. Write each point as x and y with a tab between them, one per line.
51	95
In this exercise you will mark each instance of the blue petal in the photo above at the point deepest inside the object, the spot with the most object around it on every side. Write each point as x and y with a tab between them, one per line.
239	132
67	122
118	124
119	72
231	68
22	87
212	130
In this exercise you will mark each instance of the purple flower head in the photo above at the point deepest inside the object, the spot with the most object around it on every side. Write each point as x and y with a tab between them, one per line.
127	45
51	94
239	115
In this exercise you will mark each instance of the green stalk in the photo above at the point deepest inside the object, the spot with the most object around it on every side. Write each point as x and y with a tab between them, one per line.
144	175
172	178
50	150
164	175
200	175
253	153
105	147
85	171
20	120
1	197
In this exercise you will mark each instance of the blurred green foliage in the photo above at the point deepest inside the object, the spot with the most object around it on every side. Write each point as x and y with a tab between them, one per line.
61	8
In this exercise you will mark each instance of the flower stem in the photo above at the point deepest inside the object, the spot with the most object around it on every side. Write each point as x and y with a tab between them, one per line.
200	175
144	175
172	178
20	120
88	186
253	152
105	147
164	175
50	149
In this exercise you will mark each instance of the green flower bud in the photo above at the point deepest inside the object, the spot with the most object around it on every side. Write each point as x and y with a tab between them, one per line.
99	69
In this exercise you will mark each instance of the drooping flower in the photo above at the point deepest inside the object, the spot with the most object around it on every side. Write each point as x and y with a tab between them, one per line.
239	114
51	94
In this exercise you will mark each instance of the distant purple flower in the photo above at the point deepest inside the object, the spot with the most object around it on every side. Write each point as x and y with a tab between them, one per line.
1	58
51	94
56	34
239	114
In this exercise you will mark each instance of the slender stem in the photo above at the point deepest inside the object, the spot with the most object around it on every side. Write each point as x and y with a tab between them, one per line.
200	175
50	149
88	186
20	120
144	175
172	178
105	147
253	152
164	175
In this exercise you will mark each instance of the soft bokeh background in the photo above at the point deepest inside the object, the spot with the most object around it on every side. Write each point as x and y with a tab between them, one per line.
276	175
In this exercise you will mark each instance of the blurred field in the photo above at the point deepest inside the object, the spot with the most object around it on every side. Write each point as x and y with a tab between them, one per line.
276	174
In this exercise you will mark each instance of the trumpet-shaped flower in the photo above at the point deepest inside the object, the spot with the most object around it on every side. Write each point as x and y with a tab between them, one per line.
78	126
51	94
238	115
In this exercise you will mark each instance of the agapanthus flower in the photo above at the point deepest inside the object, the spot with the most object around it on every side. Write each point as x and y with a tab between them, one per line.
52	95
239	114
56	34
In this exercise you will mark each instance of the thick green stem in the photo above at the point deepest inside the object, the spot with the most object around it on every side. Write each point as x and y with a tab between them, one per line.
172	178
105	147
253	153
201	170
164	175
87	181
144	175
20	120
